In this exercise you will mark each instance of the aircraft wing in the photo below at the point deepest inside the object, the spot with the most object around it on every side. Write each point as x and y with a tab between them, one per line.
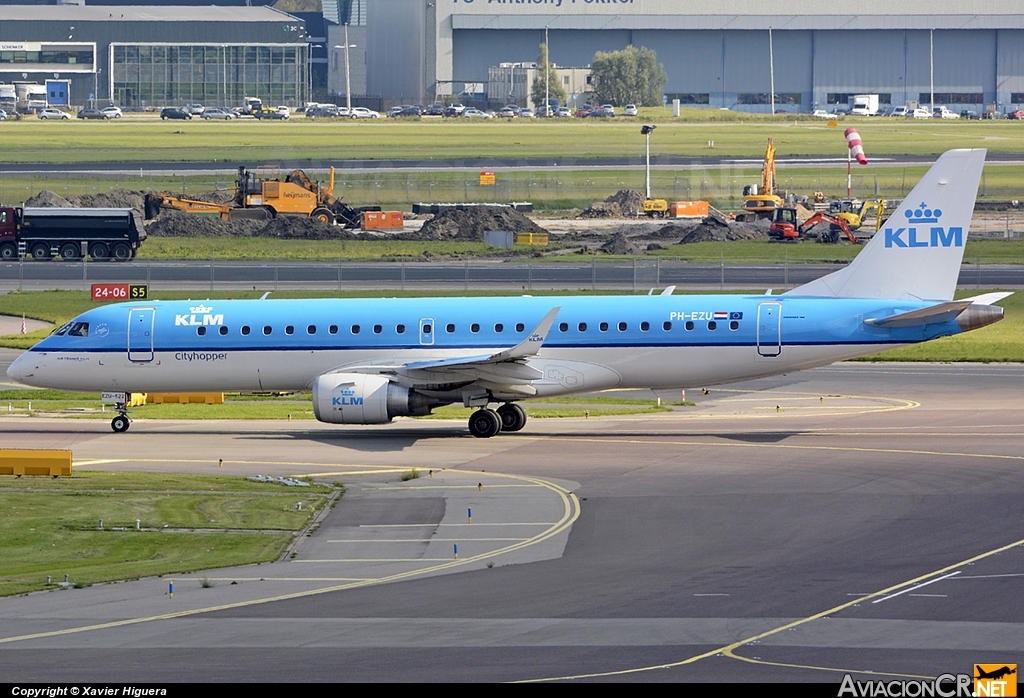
505	371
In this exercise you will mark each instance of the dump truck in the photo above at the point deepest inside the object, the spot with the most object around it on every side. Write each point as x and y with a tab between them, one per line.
72	233
262	194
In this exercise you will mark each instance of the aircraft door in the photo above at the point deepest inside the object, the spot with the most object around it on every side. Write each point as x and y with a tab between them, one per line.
427	331
769	329
140	334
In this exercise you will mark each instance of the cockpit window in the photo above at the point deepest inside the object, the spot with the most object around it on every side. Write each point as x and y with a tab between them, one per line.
79	329
63	329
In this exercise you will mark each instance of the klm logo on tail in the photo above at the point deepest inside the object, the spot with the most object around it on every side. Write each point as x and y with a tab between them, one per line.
932	236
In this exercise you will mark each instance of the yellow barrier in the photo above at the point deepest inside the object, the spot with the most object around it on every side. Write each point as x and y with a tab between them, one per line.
34	462
531	238
185	398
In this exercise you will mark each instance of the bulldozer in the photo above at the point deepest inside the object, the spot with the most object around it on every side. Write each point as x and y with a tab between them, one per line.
761	201
262	194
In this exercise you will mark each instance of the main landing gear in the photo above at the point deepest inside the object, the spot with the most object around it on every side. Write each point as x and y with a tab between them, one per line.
120	423
485	423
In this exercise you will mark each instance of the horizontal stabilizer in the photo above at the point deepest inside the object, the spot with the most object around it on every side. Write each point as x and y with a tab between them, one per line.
943	312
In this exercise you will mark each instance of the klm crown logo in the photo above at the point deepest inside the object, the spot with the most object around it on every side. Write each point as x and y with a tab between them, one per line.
200	309
927	235
923	214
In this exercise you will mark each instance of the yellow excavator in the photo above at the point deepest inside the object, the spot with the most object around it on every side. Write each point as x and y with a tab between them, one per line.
854	215
761	202
263	194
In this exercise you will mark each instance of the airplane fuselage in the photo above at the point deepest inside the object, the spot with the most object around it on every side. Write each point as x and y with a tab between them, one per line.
595	343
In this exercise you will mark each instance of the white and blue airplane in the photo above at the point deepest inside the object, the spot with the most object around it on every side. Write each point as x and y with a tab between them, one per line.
370	360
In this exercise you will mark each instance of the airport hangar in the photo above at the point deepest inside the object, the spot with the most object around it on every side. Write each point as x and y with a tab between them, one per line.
154	56
970	53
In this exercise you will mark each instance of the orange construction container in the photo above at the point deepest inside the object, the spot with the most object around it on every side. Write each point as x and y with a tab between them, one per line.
186	398
379	220
688	209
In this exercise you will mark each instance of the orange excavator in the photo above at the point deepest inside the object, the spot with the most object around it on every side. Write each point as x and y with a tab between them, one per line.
786	228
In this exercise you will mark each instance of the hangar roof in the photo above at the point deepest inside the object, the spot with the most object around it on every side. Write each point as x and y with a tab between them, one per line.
137	13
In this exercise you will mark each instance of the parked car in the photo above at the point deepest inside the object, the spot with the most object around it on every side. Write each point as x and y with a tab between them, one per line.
820	114
112	112
994	115
407	112
194	109
457	108
919	113
526	114
944	113
584	110
324	111
3	115
364	113
52	114
1015	115
91	114
602	112
509	111
473	113
630	110
174	113
563	112
434	110
898	111
970	114
215	113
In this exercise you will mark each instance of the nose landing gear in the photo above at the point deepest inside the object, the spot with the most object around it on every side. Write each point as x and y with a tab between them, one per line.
120	423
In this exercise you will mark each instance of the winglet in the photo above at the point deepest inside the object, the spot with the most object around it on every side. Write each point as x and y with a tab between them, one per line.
533	342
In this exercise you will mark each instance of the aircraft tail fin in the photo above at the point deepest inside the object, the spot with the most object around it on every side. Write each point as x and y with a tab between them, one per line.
917	253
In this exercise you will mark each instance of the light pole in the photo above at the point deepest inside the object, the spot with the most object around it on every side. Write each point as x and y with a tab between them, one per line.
547	73
348	81
646	130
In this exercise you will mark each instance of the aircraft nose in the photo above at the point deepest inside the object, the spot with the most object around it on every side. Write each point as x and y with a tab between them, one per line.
22	368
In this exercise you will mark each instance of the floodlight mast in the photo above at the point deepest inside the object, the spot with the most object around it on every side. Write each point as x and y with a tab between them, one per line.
646	130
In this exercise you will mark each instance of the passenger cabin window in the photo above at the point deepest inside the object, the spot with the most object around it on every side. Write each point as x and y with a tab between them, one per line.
603	326
400	329
311	329
520	327
449	328
689	326
498	327
267	329
712	325
355	329
333	329
245	330
563	327
79	329
289	329
377	329
475	327
582	327
223	330
426	329
200	331
734	325
622	327
644	326
667	326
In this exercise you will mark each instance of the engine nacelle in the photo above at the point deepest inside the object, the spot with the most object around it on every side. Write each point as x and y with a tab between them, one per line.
356	398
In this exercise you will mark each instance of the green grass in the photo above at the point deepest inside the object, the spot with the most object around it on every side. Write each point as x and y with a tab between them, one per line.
246	141
50	527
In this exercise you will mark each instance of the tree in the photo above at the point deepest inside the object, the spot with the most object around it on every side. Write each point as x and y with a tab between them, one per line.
546	71
629	76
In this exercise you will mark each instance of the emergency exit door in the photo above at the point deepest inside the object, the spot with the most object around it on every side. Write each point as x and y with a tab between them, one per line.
769	329
140	334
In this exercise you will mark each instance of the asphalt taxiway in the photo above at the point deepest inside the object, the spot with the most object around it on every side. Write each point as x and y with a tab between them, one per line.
861	517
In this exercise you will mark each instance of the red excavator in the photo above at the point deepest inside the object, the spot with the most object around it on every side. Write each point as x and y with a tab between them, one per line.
785	227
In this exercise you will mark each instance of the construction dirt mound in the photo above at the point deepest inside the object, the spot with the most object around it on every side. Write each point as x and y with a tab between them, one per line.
711	230
118	198
623	203
181	224
472	223
620	244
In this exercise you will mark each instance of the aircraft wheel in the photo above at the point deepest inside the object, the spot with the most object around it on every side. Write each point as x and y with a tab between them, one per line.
484	423
513	417
120	424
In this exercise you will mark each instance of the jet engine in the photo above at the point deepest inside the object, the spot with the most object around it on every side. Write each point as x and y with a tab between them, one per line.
356	398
